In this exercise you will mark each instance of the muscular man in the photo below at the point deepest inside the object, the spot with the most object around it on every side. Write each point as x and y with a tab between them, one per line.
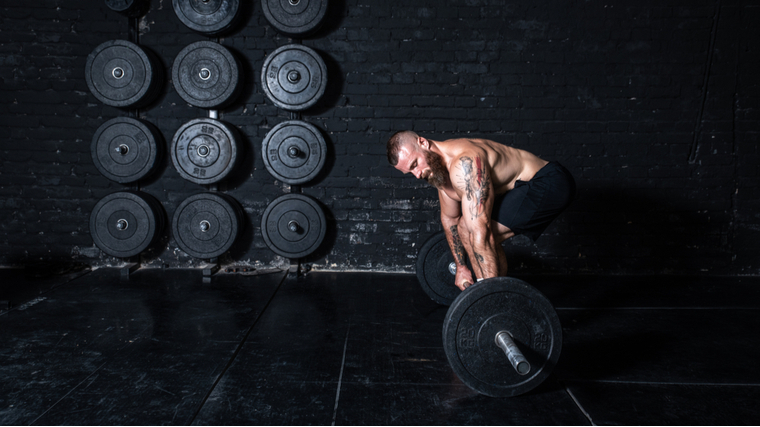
488	192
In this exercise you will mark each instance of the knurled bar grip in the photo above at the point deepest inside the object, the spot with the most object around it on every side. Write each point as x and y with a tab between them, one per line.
516	358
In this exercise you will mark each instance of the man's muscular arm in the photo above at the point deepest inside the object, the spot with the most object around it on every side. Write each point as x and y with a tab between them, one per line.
450	214
472	177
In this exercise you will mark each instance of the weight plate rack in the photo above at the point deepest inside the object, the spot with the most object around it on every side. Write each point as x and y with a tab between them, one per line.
126	149
294	78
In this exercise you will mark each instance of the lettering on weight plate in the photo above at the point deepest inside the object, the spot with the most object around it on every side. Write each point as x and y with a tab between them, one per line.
273	154
273	72
199	172
467	338
541	341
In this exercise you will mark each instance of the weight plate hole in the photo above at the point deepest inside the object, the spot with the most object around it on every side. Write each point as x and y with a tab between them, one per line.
118	72
205	74
205	225
294	76
122	224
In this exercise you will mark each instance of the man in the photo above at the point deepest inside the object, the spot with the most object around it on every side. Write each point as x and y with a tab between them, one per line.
488	193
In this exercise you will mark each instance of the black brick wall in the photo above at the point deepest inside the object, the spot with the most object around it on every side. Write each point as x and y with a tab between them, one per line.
622	93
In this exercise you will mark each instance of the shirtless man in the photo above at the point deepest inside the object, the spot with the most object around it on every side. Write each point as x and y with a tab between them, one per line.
488	193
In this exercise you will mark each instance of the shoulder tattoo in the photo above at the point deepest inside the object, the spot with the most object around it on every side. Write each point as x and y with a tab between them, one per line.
477	184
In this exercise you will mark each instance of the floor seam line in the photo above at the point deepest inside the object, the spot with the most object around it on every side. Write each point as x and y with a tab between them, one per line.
340	377
237	351
67	394
578	404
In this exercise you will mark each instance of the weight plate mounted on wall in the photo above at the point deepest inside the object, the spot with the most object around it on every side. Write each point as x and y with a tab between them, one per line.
125	223
126	149
294	77
210	17
295	17
294	152
129	8
122	74
293	225
206	225
207	75
205	151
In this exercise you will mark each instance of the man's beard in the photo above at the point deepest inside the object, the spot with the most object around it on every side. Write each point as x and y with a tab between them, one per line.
439	177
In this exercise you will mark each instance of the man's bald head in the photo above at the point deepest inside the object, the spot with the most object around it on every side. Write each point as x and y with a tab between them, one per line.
398	140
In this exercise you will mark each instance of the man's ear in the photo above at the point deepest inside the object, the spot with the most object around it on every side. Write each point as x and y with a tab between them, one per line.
422	142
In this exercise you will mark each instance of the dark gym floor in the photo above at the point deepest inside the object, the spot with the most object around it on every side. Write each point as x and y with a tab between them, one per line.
362	348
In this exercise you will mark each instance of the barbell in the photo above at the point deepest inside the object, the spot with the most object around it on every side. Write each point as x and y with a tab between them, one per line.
502	337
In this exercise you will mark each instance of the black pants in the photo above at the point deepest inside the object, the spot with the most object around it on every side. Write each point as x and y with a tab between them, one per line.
532	205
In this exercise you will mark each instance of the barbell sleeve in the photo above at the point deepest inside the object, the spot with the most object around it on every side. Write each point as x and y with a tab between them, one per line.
515	357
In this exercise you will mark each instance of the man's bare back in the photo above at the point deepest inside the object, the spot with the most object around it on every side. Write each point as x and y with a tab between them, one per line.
506	165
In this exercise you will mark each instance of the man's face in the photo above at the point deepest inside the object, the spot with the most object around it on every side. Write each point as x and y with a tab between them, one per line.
423	164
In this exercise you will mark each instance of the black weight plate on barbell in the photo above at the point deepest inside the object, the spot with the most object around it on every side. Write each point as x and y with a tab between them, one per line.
293	225
436	269
126	149
491	306
294	77
205	151
295	17
294	152
206	225
129	8
207	75
122	74
125	223
210	17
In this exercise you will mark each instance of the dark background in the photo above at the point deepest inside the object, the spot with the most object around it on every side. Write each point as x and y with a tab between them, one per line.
622	93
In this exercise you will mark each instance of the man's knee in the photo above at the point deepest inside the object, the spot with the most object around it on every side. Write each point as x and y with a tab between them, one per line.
501	232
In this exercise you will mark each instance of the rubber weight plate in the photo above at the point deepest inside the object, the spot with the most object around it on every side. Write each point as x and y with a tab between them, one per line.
125	223
204	151
206	225
491	306
294	77
126	149
129	8
295	17
294	152
206	75
211	17
293	225
436	269
122	74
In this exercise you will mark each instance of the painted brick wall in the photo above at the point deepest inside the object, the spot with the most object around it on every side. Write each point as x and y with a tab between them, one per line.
653	106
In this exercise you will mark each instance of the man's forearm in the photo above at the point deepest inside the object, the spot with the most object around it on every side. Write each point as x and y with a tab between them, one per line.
456	245
484	256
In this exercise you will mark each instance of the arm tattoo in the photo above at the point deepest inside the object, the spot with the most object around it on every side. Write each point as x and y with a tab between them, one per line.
477	184
479	258
459	251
